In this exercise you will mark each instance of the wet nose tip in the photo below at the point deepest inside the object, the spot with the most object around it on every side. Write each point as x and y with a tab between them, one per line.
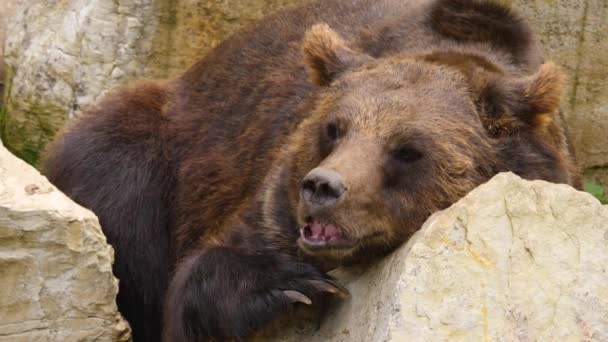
322	187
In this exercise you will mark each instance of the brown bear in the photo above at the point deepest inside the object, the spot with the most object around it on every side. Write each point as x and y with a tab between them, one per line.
324	135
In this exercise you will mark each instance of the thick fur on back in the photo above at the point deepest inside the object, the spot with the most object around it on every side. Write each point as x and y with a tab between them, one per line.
485	22
172	169
114	162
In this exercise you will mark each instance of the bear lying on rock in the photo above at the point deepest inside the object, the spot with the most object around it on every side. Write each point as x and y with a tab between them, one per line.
324	135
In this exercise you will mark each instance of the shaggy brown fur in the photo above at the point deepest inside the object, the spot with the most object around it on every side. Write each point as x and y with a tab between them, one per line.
348	122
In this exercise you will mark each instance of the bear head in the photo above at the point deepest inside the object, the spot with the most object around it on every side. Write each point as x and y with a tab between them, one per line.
391	140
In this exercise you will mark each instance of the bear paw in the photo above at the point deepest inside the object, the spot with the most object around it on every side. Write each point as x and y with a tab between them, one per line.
224	293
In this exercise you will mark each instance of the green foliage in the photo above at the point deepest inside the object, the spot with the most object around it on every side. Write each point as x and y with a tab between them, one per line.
597	191
29	155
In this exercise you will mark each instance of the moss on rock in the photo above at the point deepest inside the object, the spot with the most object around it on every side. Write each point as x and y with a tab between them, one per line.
27	134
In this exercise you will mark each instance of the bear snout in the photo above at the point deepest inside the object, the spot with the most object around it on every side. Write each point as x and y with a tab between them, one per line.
322	189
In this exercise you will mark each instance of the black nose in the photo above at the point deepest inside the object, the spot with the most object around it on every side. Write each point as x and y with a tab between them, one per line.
321	188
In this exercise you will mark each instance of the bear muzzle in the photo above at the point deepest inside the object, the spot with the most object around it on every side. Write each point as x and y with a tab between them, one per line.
322	189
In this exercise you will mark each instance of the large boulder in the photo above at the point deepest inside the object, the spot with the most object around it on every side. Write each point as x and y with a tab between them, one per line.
513	261
56	281
62	55
6	10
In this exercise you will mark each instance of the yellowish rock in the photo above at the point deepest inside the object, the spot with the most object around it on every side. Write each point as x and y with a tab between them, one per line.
513	261
6	11
62	56
56	281
187	29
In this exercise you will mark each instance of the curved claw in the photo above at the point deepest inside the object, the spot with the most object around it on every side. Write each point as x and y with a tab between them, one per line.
342	291
331	287
297	297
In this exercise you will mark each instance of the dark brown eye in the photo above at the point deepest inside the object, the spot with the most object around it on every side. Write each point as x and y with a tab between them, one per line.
407	154
332	131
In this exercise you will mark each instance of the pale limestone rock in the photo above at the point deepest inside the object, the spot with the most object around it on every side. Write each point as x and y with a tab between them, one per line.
61	56
56	281
512	261
6	10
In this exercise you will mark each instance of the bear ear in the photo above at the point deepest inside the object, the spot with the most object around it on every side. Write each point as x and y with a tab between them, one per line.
541	94
529	102
506	103
327	55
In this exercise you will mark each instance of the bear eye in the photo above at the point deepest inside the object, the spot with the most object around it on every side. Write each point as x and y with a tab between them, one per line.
407	154
332	131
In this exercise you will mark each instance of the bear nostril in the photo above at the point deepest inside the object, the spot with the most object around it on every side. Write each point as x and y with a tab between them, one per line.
326	191
308	189
322	187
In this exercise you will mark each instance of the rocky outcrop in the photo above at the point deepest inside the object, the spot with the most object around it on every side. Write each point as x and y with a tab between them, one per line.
187	29
56	281
6	10
61	56
513	261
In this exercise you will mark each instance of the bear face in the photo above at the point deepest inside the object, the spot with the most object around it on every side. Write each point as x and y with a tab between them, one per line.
392	140
396	155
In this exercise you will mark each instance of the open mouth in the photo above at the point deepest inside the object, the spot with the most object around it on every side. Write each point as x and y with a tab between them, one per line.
320	235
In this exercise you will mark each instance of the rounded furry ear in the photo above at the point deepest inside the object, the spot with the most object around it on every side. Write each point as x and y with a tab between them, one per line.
531	102
327	55
541	94
506	103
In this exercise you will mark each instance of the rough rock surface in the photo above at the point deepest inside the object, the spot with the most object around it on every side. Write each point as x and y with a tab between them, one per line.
574	33
56	281
62	55
6	10
512	261
188	29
